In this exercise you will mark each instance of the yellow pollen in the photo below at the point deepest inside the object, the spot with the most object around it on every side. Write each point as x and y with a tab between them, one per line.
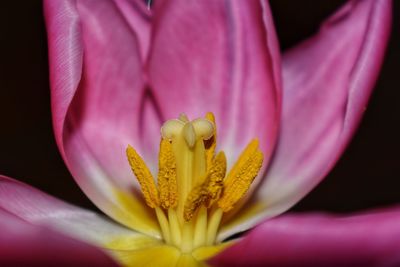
167	183
192	192
196	197
144	177
241	176
209	191
215	178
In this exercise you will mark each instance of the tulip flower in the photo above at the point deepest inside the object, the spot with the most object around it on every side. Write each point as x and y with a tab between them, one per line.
245	134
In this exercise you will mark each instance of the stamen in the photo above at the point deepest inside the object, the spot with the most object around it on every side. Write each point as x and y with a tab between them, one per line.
144	177
174	227
213	226
250	149
167	179
164	225
208	192
197	197
215	178
241	176
200	229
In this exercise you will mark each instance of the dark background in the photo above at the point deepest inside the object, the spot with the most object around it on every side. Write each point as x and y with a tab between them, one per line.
367	176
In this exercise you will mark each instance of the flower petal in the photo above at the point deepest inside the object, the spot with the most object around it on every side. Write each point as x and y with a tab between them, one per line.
138	16
24	244
205	253
327	82
36	207
98	95
368	239
223	57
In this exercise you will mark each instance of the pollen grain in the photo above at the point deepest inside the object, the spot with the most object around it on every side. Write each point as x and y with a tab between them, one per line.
241	176
144	177
167	179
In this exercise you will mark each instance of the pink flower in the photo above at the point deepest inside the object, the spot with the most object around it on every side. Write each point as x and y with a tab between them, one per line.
118	72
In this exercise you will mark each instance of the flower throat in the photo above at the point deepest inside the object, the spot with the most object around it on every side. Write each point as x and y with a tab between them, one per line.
193	191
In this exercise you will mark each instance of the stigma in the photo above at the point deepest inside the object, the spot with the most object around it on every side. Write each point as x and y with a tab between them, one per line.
193	191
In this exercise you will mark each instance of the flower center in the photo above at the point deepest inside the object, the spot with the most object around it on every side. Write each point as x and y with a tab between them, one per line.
192	192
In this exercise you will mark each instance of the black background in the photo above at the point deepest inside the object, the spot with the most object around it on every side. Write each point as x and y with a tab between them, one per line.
367	176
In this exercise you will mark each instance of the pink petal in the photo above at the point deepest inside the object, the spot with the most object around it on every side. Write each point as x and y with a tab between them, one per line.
219	56
97	88
369	239
24	244
327	82
38	208
138	16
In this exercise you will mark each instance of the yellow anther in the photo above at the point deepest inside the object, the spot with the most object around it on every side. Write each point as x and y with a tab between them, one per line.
195	199
144	177
241	176
209	191
210	144
167	179
215	178
250	149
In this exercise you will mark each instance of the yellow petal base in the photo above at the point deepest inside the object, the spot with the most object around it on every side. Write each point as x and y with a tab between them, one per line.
145	251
